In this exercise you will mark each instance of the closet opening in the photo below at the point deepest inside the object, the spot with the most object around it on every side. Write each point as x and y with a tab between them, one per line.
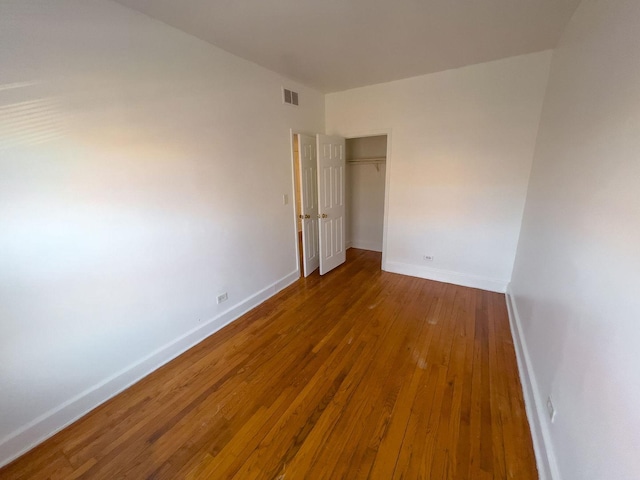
366	169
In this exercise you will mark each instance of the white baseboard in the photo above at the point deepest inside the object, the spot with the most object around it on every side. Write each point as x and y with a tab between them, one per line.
50	423
364	245
534	404
446	276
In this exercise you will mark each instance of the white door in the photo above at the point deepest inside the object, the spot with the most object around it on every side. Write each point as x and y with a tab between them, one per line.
331	170
309	193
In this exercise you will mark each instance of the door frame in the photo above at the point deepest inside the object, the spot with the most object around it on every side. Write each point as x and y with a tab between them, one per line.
387	181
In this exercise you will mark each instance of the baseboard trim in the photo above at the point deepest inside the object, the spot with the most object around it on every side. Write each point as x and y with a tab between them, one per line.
536	410
446	276
50	423
373	246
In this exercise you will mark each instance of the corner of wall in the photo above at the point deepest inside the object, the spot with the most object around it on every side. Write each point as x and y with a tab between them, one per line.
536	412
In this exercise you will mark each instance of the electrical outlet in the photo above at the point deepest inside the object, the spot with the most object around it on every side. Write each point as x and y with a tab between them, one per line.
285	199
223	297
427	258
550	409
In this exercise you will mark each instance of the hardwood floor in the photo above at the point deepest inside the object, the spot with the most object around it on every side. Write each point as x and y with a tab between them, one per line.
357	374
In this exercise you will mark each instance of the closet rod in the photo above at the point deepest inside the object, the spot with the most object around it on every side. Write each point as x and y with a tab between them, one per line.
369	161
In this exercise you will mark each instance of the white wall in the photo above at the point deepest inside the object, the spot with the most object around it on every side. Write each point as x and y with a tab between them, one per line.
365	192
462	142
141	174
577	272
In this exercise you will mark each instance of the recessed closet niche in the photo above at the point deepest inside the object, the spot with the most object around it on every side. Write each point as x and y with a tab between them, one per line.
366	159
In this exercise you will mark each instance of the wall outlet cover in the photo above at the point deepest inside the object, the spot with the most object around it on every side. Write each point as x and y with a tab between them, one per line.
551	409
223	297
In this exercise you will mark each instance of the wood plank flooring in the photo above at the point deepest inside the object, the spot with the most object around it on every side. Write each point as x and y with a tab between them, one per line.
357	374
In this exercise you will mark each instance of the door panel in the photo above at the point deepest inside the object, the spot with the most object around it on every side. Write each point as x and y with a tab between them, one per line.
331	185
309	192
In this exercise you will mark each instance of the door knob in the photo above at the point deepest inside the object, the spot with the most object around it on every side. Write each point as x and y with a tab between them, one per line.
307	216
300	216
324	215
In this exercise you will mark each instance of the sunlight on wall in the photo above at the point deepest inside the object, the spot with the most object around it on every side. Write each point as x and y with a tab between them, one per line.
28	121
138	166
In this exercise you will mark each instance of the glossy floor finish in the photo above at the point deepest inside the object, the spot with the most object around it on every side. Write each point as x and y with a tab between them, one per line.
357	374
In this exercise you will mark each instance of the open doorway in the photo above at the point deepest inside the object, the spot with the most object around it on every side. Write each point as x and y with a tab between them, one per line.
364	186
295	145
366	160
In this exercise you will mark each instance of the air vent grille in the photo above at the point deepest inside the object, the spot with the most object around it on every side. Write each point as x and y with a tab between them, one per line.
289	96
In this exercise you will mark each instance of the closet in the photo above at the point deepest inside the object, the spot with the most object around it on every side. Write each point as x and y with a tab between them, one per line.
365	191
339	197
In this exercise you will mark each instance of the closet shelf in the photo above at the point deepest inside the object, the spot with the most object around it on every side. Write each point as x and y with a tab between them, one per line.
368	160
377	161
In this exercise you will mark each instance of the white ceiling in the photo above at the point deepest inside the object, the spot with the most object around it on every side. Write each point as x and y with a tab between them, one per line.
335	45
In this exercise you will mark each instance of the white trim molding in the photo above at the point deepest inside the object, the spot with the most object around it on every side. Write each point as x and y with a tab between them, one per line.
447	276
50	423
534	404
373	246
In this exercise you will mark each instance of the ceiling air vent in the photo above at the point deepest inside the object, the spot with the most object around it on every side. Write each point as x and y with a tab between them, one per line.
289	96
